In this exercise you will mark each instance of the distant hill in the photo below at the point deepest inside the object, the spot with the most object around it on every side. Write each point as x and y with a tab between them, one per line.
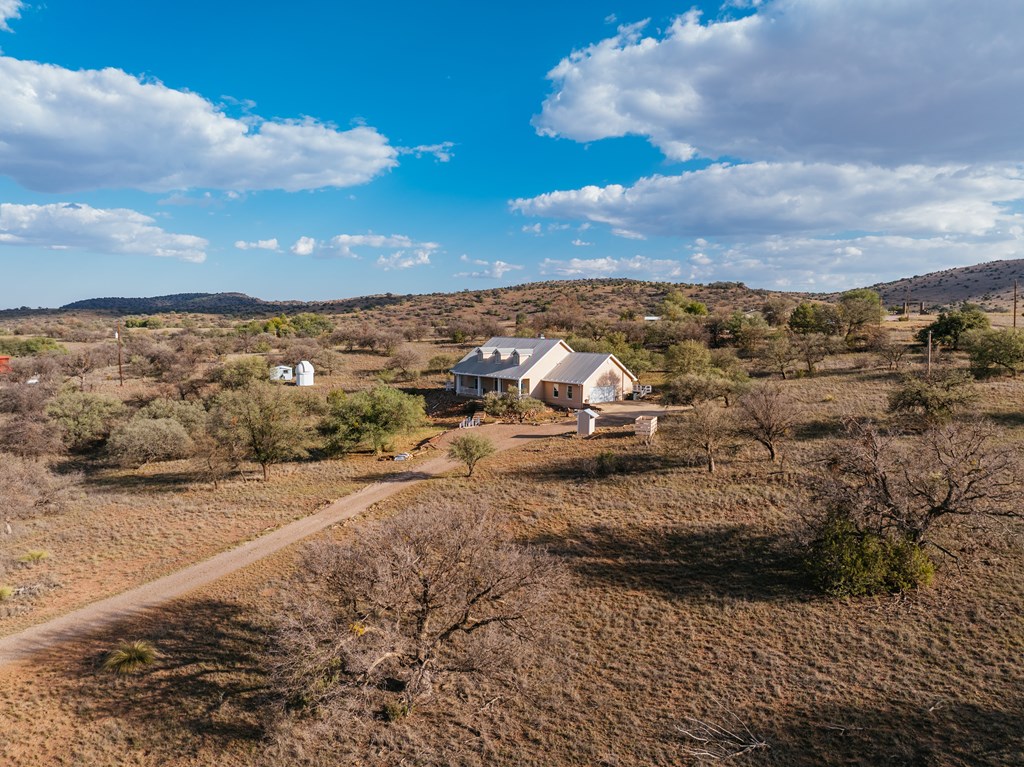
221	303
989	284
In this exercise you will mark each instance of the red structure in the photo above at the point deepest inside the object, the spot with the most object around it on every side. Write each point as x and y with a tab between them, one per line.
5	364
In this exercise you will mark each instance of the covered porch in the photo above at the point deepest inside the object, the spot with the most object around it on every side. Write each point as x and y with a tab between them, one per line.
478	386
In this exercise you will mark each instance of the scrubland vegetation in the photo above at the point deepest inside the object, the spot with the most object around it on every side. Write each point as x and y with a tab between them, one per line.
819	562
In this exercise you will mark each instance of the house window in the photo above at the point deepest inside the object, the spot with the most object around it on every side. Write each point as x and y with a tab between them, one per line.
568	392
524	386
554	392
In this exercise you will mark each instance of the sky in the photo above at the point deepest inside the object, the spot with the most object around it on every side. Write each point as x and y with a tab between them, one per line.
325	150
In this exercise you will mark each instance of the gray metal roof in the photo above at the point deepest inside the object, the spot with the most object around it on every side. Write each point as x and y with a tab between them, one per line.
579	366
506	367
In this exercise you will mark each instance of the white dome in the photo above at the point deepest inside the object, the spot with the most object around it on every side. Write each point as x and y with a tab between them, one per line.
304	367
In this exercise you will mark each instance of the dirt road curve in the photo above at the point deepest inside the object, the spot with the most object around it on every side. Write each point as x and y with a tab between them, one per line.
94	616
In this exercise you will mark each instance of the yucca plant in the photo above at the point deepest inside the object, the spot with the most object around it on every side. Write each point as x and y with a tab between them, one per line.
130	657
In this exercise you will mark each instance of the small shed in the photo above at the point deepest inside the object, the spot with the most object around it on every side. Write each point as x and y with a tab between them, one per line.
304	373
281	373
585	421
5	363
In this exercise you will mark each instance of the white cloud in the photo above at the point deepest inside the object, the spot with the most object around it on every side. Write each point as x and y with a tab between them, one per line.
581	243
442	152
64	130
493	270
404	251
532	229
304	246
808	263
403	260
62	226
9	9
606	267
916	81
775	198
258	245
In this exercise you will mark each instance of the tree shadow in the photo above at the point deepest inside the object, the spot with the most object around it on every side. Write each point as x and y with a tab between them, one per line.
168	481
207	681
732	561
921	733
643	460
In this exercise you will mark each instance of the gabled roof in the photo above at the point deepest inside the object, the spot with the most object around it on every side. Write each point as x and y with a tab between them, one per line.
580	366
505	365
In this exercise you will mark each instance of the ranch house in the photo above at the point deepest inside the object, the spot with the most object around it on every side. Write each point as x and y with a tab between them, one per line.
546	369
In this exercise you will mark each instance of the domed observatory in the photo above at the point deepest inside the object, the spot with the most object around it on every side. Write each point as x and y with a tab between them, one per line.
304	373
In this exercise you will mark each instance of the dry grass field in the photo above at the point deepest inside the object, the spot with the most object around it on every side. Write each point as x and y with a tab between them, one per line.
687	603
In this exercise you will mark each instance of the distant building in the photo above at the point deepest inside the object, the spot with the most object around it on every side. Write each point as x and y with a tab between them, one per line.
281	373
304	373
543	368
5	364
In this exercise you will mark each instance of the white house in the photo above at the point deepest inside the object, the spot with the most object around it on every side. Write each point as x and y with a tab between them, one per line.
547	369
281	373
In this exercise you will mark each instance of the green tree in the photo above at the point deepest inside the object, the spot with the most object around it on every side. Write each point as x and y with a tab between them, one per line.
85	419
688	357
950	327
311	325
677	306
371	418
146	440
810	317
264	421
937	399
1001	349
239	373
470	449
858	308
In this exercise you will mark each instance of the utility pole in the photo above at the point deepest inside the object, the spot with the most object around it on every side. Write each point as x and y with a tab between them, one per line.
1015	304
120	355
929	373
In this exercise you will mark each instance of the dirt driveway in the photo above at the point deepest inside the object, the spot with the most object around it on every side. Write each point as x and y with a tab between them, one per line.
98	614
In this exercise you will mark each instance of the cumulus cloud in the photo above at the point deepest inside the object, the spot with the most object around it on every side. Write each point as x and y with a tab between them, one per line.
63	130
776	198
442	152
403	260
62	226
808	263
492	270
581	243
270	244
404	251
9	9
918	81
608	267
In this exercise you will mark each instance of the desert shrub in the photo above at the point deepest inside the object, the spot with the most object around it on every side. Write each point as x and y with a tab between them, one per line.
6	592
512	407
29	347
848	562
470	449
311	325
995	350
34	556
687	357
147	440
189	413
950	327
129	657
85	419
29	488
239	373
394	710
816	318
440	363
937	398
606	463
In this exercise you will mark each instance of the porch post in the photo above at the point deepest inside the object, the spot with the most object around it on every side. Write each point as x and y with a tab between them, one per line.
479	386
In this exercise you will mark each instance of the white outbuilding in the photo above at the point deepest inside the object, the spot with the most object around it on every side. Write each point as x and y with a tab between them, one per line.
281	373
304	373
585	422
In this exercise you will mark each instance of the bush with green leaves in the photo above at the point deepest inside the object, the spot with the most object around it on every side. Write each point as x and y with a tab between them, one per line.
370	418
510	406
30	347
999	350
148	440
810	317
937	398
239	373
189	413
951	327
85	419
846	561
470	449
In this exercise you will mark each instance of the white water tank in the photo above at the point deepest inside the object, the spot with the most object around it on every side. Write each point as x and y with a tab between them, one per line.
304	373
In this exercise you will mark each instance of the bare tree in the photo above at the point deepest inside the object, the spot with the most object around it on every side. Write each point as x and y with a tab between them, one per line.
891	484
707	427
29	488
769	415
431	593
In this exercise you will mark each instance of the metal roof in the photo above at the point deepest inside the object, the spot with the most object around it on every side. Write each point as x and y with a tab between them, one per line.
579	366
506	367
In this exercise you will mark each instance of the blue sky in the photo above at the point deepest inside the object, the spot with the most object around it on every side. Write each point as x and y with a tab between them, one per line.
324	150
